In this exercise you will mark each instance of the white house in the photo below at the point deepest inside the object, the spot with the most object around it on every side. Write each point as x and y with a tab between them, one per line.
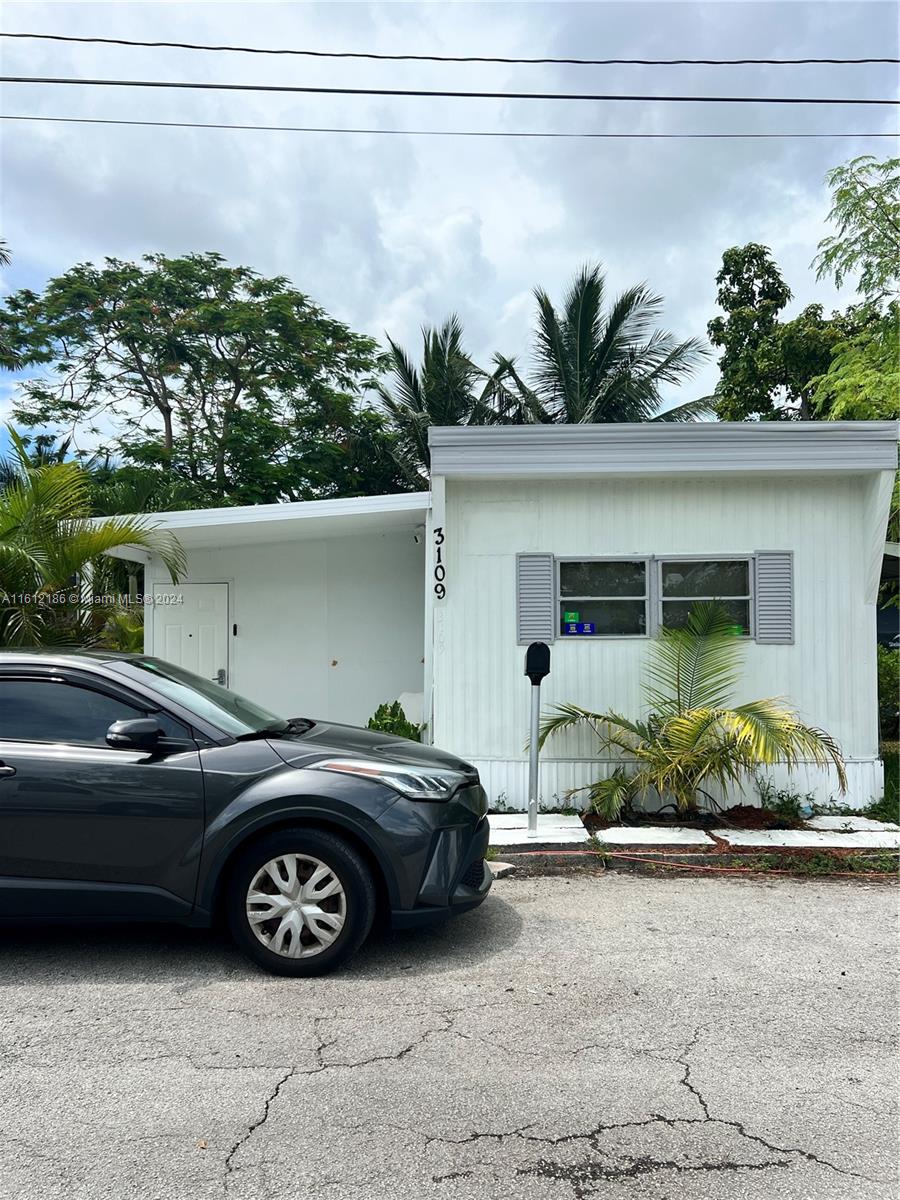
587	537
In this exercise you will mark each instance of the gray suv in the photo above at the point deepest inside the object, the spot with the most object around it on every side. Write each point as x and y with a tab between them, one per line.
132	790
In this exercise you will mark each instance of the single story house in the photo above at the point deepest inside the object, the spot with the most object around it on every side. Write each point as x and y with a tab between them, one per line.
587	537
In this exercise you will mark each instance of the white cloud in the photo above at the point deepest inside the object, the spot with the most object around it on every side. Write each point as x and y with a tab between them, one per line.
390	233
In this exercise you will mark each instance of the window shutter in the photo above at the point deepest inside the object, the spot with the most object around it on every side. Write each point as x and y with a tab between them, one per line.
535	598
775	596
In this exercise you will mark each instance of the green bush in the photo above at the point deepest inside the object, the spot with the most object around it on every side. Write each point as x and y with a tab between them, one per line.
888	692
390	718
888	807
785	802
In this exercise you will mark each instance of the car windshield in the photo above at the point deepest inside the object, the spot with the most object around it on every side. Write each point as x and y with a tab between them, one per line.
227	710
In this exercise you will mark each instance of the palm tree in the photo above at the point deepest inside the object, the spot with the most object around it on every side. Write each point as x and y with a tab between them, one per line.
691	738
448	389
597	364
47	545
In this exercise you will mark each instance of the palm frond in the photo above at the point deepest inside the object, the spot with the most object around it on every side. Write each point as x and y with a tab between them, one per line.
773	733
696	666
609	796
691	410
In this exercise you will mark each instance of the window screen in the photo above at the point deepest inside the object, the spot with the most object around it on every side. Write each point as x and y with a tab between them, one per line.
685	582
603	598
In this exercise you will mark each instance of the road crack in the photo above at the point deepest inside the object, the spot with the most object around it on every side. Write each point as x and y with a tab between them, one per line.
605	1167
252	1128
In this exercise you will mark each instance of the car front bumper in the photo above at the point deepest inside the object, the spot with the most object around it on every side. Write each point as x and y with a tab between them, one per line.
457	877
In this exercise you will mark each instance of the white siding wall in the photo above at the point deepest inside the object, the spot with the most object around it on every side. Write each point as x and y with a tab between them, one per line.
328	628
481	697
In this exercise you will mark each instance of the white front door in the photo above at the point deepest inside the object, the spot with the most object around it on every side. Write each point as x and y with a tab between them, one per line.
190	627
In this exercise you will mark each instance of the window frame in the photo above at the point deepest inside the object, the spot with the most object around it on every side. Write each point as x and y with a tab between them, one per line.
653	597
749	559
646	559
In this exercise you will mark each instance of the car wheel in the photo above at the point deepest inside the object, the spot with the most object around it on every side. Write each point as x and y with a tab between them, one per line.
299	901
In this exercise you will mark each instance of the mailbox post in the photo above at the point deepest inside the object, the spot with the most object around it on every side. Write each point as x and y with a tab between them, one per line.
537	667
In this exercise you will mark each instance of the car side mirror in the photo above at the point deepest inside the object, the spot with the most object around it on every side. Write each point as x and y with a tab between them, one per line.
141	733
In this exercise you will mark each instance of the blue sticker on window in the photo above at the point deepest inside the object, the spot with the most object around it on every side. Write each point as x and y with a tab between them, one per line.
584	628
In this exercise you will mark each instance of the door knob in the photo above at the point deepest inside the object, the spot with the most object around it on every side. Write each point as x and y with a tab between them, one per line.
6	772
220	676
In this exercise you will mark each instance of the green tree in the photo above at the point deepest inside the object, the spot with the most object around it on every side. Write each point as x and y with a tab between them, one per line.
769	368
865	207
692	738
862	379
47	545
598	362
235	382
447	389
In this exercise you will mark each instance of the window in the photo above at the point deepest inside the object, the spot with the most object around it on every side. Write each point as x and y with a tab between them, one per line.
683	582
603	598
42	710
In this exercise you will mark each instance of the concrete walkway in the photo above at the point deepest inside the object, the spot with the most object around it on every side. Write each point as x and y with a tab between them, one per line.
556	829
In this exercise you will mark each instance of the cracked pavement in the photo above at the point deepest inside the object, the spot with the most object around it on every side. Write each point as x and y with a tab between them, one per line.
612	1036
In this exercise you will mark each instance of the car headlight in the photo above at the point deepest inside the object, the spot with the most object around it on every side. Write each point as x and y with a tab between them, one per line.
416	783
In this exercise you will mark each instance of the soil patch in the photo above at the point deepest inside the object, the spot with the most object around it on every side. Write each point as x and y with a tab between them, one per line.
739	816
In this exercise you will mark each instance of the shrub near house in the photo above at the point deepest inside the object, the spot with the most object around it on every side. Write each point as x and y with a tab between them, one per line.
690	739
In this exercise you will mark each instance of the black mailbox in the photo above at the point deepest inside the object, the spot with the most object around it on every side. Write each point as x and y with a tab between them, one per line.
537	662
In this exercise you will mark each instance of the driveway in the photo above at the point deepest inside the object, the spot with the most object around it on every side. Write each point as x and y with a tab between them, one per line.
610	1036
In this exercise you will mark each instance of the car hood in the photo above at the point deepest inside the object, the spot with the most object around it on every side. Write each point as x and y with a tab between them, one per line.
327	739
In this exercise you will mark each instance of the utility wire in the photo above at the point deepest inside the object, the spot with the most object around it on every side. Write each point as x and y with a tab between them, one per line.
343	91
454	58
476	133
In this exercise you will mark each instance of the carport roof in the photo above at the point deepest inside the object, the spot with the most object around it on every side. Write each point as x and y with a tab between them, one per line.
259	523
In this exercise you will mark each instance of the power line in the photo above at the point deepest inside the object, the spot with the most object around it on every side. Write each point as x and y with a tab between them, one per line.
460	58
477	133
446	95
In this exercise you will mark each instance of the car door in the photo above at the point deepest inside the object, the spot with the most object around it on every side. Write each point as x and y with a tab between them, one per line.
87	830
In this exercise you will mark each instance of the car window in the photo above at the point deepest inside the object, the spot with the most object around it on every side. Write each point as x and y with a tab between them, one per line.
45	710
225	709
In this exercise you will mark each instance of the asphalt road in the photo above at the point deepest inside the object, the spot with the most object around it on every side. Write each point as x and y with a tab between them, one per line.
619	1037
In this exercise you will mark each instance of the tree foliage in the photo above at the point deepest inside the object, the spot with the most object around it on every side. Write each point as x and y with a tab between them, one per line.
838	367
768	367
593	361
235	382
447	389
47	541
597	360
865	207
862	379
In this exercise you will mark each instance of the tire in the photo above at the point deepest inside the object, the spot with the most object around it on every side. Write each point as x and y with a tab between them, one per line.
299	901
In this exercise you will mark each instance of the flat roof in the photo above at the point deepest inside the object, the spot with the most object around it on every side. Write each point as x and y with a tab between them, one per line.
262	523
663	448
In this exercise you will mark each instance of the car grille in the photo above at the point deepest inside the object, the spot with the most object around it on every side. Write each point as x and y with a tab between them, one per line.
474	873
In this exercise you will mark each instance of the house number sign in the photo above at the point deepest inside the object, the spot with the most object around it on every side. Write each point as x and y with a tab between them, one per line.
440	571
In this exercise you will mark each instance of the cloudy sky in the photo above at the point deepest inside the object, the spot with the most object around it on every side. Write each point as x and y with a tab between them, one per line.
389	233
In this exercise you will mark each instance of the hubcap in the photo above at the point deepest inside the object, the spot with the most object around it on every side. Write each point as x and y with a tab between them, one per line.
296	905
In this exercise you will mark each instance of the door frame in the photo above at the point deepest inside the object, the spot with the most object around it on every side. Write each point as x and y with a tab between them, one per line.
150	627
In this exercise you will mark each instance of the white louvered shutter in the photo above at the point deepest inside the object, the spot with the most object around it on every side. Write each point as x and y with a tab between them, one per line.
535	598
775	596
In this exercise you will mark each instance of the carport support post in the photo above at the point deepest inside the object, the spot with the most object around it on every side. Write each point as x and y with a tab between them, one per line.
537	667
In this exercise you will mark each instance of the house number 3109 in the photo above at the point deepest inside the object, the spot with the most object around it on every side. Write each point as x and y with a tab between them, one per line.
440	571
